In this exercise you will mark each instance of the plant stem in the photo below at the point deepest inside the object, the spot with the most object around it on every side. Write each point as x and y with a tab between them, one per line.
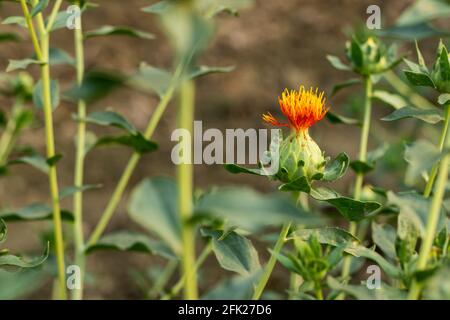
185	176
50	143
433	216
180	284
402	88
31	30
271	264
161	282
434	169
319	292
77	294
10	134
134	159
362	157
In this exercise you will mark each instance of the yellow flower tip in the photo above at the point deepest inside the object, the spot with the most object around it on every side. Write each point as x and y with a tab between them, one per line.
302	108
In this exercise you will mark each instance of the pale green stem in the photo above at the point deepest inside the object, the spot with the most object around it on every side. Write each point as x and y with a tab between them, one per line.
9	135
434	169
261	285
402	88
77	294
185	176
31	30
362	157
161	282
433	216
54	13
132	163
50	144
180	283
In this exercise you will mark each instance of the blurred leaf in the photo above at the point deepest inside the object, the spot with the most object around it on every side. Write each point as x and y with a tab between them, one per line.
20	64
3	231
384	237
352	210
391	99
12	260
134	141
70	191
256	212
338	119
9	36
361	292
235	288
233	168
234	252
412	32
130	241
35	211
199	71
118	31
432	116
59	56
38	99
153	205
337	63
19	20
110	118
35	160
17	285
421	157
41	5
95	86
337	168
338	87
444	99
150	79
61	20
423	11
372	157
438	286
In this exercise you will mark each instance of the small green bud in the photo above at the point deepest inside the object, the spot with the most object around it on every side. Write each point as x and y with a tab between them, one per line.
441	70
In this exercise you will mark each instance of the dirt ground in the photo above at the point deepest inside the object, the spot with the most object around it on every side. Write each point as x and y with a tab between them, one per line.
275	44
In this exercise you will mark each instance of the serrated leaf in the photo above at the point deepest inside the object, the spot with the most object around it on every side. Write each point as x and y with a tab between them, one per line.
234	252
153	205
118	31
38	99
351	209
21	64
432	116
130	241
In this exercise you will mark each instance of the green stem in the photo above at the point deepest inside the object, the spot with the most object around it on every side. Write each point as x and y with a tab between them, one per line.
402	88
50	144
319	292
161	282
31	30
433	216
359	181
77	294
272	261
10	134
53	14
180	283
134	159
434	169
185	177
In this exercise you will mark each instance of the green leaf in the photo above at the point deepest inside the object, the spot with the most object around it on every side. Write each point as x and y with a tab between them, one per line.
361	167
159	7
41	5
421	156
33	212
301	184
332	236
391	99
35	160
136	142
200	71
16	261
19	20
38	99
60	57
372	157
61	20
337	63
256	212
362	292
352	210
419	79
337	168
384	237
21	64
338	119
9	36
338	87
357	56
234	252
3	231
234	288
438	286
20	284
96	85
110	118
413	32
423	11
71	190
444	99
233	168
153	205
432	116
150	79
130	241
118	31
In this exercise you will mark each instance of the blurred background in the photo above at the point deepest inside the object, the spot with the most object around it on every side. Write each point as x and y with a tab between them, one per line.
273	45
